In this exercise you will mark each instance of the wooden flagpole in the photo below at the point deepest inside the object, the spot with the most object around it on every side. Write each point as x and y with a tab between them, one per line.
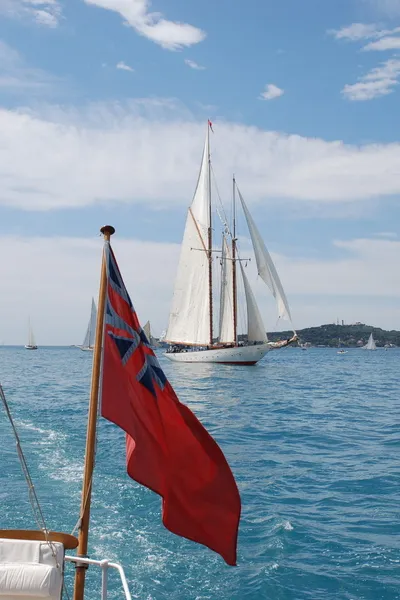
79	588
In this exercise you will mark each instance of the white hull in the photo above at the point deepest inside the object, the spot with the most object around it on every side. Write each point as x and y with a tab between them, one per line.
240	355
86	348
28	347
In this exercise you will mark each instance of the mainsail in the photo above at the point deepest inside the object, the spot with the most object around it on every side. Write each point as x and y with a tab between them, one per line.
190	316
265	266
255	326
88	342
226	326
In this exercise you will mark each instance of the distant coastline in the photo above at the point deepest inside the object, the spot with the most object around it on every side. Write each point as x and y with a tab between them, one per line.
347	336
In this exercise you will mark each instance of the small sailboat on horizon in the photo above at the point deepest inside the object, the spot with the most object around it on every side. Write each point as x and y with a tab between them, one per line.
88	342
31	345
190	330
341	350
370	345
147	330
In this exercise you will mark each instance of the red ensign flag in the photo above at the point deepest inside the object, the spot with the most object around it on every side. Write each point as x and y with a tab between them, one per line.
168	449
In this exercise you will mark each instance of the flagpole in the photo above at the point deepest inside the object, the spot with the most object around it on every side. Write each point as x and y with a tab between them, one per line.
80	573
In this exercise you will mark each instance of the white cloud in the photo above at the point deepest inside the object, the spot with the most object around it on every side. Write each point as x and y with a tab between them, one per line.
43	12
385	43
17	78
124	67
362	31
69	274
271	91
390	8
355	31
194	65
168	34
380	81
386	234
384	39
61	158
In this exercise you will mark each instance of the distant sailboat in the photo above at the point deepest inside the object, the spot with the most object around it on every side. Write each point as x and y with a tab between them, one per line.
370	345
88	342
341	351
146	328
31	345
191	329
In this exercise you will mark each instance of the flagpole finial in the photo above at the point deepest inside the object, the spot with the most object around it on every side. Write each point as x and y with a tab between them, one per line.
107	231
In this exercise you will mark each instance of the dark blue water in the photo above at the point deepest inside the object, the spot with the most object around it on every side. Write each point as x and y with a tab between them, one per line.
312	437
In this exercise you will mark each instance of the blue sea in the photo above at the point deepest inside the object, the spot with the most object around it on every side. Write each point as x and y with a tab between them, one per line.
312	437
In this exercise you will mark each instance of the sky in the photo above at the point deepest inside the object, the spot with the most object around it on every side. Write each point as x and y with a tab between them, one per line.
103	112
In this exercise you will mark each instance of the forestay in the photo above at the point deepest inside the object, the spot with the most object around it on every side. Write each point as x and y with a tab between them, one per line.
189	320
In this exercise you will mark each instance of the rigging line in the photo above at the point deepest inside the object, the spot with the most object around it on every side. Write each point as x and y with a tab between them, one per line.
37	510
223	219
89	488
33	499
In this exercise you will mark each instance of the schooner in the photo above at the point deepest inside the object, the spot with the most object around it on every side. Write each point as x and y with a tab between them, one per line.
190	332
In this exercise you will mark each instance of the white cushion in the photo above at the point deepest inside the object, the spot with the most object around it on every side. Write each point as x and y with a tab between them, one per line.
28	581
28	570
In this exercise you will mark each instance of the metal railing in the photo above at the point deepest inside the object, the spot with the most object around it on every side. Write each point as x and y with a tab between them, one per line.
104	565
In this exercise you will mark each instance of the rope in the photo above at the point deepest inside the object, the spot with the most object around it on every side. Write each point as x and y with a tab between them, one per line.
33	499
222	218
83	508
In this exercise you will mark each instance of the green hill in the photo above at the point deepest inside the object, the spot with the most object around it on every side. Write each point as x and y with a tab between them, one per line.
350	335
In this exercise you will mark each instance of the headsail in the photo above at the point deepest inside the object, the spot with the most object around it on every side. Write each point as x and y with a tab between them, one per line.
265	266
255	326
88	342
226	328
189	320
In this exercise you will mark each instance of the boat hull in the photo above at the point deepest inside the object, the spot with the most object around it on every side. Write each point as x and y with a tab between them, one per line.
27	347
240	355
86	348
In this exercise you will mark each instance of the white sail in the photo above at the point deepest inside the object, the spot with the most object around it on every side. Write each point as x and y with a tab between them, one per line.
31	337
255	326
265	266
226	328
88	342
147	330
370	345
189	320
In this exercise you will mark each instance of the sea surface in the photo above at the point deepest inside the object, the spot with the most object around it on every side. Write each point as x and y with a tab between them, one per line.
312	437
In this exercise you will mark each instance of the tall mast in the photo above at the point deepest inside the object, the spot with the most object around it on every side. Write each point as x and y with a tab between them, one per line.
80	573
234	262
210	237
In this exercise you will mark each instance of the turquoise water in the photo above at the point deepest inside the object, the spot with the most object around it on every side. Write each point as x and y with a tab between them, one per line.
312	437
